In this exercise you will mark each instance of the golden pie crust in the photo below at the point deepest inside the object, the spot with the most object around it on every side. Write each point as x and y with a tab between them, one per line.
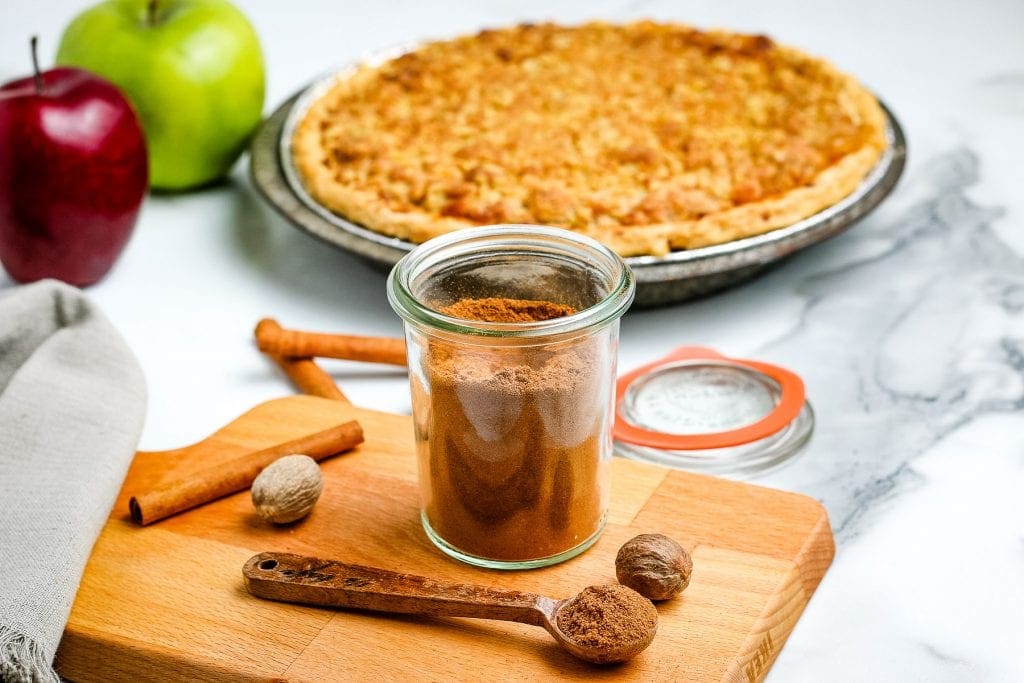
648	137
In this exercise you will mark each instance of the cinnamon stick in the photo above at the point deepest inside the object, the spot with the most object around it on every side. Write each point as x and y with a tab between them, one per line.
273	339
309	377
238	474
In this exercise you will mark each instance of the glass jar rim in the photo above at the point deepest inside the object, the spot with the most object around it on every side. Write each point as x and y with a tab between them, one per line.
614	303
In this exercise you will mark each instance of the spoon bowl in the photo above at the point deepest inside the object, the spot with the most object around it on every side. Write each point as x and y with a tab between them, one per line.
596	655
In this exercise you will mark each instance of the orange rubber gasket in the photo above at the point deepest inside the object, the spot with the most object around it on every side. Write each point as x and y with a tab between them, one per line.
791	402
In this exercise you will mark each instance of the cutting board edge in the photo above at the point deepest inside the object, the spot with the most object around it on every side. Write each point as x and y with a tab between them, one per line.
154	662
761	649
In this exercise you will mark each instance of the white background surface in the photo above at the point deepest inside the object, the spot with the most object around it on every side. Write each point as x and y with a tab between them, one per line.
908	329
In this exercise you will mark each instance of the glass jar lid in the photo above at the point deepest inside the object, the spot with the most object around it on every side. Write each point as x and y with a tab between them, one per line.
696	409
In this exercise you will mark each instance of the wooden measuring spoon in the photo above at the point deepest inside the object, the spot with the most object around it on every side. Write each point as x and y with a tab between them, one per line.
294	578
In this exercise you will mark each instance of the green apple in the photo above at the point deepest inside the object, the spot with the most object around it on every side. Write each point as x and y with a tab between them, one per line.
193	69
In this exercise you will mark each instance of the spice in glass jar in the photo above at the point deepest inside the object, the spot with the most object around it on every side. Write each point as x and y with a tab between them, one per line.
512	341
515	448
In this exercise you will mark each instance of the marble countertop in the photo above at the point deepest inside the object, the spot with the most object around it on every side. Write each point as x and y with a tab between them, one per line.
909	329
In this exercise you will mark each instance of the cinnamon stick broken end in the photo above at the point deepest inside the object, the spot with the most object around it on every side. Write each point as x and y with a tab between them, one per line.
135	510
265	332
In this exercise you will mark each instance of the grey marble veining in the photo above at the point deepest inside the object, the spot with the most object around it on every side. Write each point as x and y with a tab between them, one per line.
910	337
904	343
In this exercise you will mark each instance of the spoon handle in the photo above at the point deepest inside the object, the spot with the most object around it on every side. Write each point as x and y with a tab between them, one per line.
312	581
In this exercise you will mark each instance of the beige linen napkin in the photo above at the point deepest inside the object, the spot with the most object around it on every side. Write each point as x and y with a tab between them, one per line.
72	404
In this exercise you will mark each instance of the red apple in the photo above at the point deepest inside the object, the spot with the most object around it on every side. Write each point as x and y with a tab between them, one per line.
73	173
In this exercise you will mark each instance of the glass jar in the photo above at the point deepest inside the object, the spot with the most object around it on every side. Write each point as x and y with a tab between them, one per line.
513	417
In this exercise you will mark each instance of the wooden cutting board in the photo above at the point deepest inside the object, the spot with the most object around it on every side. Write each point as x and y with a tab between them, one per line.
167	602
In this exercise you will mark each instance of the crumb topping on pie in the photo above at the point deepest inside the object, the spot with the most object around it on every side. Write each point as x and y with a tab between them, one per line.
649	137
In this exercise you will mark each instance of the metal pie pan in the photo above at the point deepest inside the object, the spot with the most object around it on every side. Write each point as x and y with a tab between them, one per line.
660	280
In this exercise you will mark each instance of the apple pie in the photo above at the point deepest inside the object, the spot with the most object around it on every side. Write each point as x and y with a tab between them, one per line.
648	137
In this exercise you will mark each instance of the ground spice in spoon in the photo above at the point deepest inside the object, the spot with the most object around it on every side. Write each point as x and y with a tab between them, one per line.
607	617
511	439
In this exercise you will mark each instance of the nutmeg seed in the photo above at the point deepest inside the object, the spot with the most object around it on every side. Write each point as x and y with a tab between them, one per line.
654	566
287	489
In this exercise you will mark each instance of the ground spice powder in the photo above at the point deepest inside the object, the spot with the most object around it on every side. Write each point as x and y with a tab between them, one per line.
511	439
502	310
607	617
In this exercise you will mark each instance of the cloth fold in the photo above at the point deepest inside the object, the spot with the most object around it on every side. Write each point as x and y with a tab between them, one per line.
72	406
